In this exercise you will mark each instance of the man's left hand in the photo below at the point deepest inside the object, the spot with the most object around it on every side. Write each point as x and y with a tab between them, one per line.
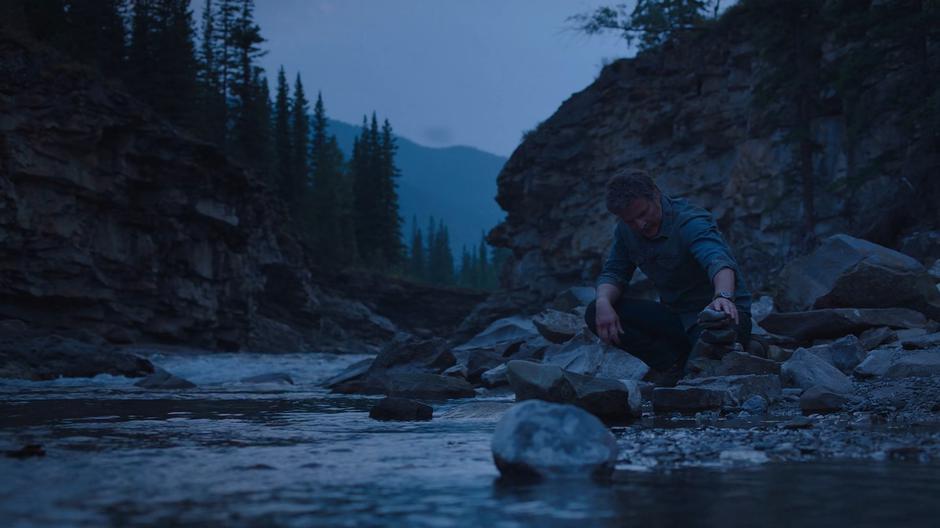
725	305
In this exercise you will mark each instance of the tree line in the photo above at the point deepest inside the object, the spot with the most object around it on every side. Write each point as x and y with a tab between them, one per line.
431	259
204	77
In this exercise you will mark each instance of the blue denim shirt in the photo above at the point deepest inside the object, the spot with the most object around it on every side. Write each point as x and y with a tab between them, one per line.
681	260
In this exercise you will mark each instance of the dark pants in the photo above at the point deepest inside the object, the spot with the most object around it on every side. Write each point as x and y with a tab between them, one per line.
654	333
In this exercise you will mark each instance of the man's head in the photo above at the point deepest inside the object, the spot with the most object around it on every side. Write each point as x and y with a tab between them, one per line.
634	198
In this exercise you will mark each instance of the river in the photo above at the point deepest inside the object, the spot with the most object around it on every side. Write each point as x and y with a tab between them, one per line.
237	454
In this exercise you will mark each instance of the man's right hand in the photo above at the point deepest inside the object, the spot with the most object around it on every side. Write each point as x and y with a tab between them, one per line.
607	322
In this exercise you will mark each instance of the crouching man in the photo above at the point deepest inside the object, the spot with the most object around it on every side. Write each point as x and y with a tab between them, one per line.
678	246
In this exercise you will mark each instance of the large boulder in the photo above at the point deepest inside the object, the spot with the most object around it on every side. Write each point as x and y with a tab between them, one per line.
426	386
537	439
609	399
405	355
837	322
848	272
805	369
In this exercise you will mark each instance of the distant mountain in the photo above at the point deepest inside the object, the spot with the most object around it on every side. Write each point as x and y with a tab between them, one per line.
456	184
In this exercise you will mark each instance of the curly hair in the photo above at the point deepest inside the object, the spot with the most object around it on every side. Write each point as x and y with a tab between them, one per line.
628	185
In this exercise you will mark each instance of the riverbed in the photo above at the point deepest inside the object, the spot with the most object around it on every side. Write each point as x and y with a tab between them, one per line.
239	454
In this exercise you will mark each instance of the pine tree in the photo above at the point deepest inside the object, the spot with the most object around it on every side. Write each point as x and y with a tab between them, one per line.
327	205
300	148
212	123
482	260
388	172
418	264
249	134
282	139
467	265
96	33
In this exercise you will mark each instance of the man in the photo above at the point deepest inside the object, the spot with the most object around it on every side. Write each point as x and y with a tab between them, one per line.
678	246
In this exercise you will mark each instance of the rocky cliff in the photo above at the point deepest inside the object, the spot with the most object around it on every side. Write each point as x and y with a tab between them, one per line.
686	112
115	223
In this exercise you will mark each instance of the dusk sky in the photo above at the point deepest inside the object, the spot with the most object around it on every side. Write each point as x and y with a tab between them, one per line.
444	72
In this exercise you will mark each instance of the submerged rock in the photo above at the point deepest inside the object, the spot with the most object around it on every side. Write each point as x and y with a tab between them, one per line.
805	369
549	440
163	380
400	409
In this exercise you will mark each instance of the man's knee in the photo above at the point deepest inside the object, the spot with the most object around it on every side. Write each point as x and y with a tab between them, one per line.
590	317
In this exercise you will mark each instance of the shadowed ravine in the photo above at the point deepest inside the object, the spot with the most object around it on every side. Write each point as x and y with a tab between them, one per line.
230	453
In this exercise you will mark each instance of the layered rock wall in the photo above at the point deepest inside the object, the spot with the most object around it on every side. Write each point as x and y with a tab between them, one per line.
116	223
686	113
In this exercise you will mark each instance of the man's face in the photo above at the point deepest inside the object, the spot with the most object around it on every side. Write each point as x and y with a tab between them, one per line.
643	216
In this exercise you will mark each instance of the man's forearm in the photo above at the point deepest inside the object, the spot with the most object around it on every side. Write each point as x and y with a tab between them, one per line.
608	292
724	281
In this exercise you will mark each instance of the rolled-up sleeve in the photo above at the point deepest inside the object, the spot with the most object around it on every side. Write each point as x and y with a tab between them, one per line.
701	236
618	268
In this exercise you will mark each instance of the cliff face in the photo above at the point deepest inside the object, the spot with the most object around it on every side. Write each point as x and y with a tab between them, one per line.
685	112
115	223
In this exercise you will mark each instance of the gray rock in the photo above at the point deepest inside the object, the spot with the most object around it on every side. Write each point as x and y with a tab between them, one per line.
274	377
480	361
457	371
412	354
877	363
925	341
934	271
556	326
548	440
894	363
610	399
163	380
761	308
426	386
501	333
805	369
687	399
845	354
496	377
37	355
739	388
819	400
740	363
719	336
847	272
837	322
543	382
355	371
585	355
709	318
756	404
573	297
400	409
875	337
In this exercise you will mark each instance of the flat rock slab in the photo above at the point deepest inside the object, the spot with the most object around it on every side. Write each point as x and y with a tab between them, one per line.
585	355
925	341
837	322
537	439
819	400
501	333
898	363
558	327
805	369
400	409
714	393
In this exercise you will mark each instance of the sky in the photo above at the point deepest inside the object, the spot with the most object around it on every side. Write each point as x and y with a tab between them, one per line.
443	72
